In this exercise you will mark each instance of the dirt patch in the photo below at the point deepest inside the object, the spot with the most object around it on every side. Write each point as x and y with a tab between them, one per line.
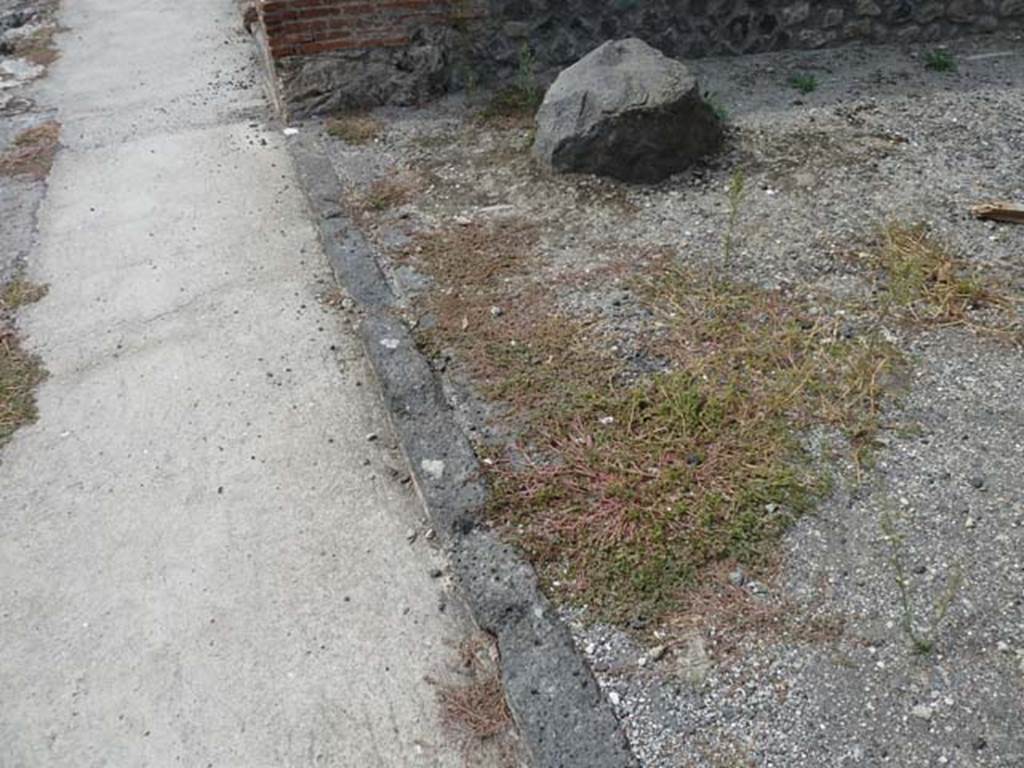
32	152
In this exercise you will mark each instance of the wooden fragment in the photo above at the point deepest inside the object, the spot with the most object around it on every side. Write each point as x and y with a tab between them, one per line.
1010	213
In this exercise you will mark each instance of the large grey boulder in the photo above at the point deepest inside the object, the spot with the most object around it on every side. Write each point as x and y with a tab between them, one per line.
627	111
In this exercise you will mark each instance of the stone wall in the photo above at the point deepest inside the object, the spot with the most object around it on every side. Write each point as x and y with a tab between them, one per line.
560	31
332	54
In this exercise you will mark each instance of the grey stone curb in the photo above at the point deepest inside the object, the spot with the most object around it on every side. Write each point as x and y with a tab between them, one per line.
563	718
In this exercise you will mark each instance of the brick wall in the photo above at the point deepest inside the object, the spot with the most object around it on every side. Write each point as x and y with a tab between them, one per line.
327	55
311	27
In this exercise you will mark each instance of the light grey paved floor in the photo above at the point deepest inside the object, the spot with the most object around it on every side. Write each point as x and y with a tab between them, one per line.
196	567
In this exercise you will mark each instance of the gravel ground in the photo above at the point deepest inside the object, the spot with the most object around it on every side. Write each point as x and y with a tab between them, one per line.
826	676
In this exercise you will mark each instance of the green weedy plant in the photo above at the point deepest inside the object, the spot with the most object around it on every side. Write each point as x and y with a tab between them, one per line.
461	14
717	108
526	77
520	100
940	61
804	82
921	641
737	187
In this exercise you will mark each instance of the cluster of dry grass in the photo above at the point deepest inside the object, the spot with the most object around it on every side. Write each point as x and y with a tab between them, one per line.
624	489
32	152
919	279
357	128
389	192
20	371
474	711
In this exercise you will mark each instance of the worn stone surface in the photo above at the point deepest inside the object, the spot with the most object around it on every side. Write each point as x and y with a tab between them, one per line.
625	111
203	561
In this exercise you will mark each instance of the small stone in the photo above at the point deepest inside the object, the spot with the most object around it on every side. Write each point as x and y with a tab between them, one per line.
658	652
980	743
372	437
922	712
1002	647
614	698
738	578
433	467
497	311
436	573
411	535
693	663
757	588
970	522
977	482
391	344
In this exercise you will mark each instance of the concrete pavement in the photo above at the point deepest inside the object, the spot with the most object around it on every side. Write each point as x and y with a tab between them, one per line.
197	567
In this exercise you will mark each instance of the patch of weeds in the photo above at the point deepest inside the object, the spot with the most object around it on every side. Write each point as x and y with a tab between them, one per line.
940	60
921	280
506	331
635	490
32	152
475	712
20	371
387	193
727	614
20	292
624	490
357	128
804	82
922	639
526	77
